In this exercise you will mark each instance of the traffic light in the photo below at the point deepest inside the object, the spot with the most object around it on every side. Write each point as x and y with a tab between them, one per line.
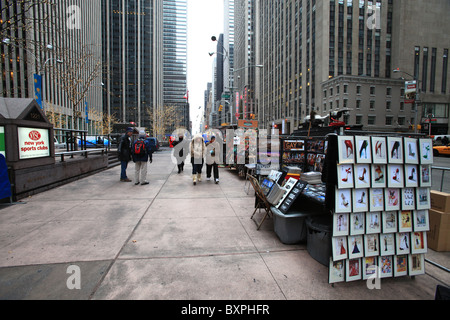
220	108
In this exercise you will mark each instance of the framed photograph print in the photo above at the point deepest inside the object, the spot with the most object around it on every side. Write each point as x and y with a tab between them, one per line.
363	149
340	224
343	201
416	264
402	245
369	267
421	220
411	154
362	176
379	150
389	221
405	221
371	245
357	223
426	151
355	247
400	265
387	244
419	242
425	175
345	176
411	176
373	222
423	198
395	150
378	175
395	176
408	199
353	270
391	199
376	199
339	248
346	149
385	267
360	200
336	271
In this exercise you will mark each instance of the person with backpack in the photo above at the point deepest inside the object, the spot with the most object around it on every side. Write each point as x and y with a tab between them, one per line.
142	153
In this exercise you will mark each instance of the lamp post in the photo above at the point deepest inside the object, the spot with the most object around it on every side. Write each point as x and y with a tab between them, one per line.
415	98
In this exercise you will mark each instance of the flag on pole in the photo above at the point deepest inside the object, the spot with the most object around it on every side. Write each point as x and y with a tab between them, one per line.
38	89
186	96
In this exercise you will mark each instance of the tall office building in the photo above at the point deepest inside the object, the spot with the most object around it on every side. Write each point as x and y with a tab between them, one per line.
54	50
244	98
132	53
175	61
325	56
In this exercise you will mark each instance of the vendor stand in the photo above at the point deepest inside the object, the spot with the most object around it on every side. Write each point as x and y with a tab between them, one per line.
370	207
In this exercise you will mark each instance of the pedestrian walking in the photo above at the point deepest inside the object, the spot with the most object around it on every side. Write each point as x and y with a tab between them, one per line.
124	153
142	154
212	159
179	147
198	152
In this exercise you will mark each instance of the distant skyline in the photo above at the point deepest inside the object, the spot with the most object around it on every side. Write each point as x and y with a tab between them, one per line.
205	19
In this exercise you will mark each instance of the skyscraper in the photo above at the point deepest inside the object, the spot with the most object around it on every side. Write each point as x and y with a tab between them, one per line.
132	52
175	61
326	56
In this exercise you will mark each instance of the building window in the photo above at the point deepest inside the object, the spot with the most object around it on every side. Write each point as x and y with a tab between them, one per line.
402	106
388	105
444	71
372	91
372	104
359	119
425	69
389	121
388	91
345	88
433	69
416	62
358	89
358	104
401	121
371	120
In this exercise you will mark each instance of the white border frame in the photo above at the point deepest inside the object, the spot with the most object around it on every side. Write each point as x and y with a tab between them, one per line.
416	214
358	172
416	272
389	260
424	247
395	157
392	183
374	229
343	150
359	140
408	199
414	148
350	246
384	216
408	171
382	157
353	216
408	215
387	237
374	175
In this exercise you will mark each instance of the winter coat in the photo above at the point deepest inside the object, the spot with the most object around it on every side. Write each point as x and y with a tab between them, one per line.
124	148
198	148
213	152
180	146
146	155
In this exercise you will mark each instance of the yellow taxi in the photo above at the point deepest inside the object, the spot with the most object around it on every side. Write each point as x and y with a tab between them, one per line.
441	146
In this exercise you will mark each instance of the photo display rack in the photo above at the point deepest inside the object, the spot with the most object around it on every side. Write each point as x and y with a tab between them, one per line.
382	198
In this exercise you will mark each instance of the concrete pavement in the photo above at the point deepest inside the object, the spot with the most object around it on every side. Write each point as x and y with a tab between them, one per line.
168	240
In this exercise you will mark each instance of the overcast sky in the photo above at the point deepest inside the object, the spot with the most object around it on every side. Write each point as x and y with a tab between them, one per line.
205	19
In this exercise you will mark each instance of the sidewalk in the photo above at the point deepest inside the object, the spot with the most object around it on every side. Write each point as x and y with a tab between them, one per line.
168	240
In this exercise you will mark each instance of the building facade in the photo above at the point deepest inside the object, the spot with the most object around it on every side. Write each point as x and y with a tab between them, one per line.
324	56
52	52
175	61
132	53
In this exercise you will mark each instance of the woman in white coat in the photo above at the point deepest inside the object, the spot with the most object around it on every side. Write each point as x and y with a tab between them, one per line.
198	153
212	159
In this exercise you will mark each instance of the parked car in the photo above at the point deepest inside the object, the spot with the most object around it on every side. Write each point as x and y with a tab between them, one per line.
94	142
59	145
154	143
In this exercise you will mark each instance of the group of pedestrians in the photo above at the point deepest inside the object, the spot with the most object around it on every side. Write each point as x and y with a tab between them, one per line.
140	152
199	151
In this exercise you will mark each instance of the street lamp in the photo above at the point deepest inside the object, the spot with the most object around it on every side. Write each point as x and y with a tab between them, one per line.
213	38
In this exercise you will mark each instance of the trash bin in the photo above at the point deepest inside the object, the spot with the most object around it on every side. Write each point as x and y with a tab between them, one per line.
318	243
290	228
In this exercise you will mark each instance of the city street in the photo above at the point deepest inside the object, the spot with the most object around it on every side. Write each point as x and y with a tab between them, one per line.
168	240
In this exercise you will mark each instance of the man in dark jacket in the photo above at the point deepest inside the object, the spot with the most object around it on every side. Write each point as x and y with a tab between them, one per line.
140	158
124	151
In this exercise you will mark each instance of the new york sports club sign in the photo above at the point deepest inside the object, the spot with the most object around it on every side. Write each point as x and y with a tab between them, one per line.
33	143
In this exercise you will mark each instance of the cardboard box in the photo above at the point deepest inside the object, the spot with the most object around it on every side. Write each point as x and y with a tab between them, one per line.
438	237
440	201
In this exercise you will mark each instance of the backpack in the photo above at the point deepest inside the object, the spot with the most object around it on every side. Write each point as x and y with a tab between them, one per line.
139	147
